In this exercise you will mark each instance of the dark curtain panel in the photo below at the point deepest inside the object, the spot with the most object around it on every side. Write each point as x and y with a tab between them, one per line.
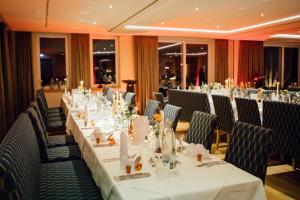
80	60
2	94
16	76
251	60
146	66
221	60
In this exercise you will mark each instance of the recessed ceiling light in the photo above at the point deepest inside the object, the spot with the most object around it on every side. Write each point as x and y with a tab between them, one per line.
218	26
110	6
134	27
162	23
94	23
197	9
262	14
288	36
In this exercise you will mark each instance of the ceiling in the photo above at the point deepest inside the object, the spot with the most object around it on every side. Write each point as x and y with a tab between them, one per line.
111	16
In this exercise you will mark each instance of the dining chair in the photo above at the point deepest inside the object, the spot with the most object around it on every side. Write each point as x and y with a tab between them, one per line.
57	111
202	128
110	93
48	151
172	113
249	148
160	98
225	116
283	118
152	107
105	90
129	98
248	111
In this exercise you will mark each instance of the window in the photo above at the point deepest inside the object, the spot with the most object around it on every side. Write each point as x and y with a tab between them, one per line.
104	61
179	68
170	64
53	61
290	66
272	63
196	61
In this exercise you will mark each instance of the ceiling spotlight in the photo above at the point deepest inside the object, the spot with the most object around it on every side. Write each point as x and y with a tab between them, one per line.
218	26
262	14
196	9
94	23
162	23
110	6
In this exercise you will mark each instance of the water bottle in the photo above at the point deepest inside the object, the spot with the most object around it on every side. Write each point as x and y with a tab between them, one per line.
169	141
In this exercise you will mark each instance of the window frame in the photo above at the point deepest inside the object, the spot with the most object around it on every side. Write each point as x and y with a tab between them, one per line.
53	35
117	57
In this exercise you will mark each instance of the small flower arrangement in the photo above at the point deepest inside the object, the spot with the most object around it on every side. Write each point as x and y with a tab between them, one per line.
157	118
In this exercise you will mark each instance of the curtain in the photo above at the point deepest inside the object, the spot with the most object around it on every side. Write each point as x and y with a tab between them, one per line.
80	60
251	60
16	76
221	60
146	66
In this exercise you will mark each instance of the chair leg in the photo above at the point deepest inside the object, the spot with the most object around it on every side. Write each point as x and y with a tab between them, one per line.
217	139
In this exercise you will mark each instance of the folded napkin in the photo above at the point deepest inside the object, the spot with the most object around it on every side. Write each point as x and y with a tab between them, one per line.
193	150
123	150
140	126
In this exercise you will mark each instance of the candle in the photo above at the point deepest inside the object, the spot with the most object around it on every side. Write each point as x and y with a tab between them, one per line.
81	84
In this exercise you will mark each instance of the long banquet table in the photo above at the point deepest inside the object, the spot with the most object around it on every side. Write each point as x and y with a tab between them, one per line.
189	182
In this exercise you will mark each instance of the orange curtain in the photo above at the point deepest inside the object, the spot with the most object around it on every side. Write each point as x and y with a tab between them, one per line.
146	66
221	60
251	60
80	60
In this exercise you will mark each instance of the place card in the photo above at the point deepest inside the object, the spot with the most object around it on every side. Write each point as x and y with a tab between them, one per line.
103	145
131	176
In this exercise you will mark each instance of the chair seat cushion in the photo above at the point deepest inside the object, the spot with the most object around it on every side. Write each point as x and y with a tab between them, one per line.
54	126
63	153
60	140
55	110
67	180
56	118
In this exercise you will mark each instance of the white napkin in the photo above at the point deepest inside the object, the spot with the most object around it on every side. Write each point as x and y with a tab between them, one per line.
140	125
98	133
193	150
123	150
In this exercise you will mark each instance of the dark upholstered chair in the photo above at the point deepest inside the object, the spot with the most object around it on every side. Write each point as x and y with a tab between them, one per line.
172	113
152	107
225	116
160	98
129	98
24	177
284	119
58	111
110	93
249	148
60	153
104	91
248	111
53	123
53	140
189	102
202	128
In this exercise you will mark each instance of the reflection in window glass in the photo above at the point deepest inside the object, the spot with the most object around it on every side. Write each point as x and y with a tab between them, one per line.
170	64
196	61
53	61
290	66
104	61
272	64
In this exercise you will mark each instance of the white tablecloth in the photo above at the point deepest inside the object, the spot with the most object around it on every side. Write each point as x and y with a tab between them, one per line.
191	182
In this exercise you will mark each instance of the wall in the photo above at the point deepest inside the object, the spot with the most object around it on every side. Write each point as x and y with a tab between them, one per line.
125	61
